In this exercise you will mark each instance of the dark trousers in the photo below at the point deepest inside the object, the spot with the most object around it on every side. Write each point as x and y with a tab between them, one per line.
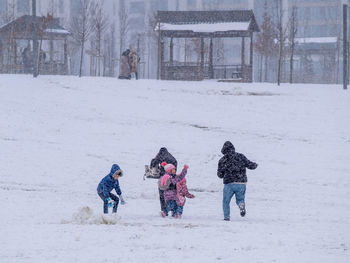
105	202
163	206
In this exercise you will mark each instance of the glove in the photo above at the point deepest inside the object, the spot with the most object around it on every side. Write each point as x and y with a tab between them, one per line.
185	166
122	201
110	202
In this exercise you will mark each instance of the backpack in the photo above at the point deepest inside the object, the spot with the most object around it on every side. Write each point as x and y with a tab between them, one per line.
165	186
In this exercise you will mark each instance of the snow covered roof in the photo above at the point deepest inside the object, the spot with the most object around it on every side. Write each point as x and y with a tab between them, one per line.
23	26
217	27
319	40
207	21
57	31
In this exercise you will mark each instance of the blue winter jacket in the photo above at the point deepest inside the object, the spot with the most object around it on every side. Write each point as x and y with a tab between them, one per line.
108	183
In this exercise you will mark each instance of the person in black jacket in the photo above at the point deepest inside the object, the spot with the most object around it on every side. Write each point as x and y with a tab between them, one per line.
232	169
163	156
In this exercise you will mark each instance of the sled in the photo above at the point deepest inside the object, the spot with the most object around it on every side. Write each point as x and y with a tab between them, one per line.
151	172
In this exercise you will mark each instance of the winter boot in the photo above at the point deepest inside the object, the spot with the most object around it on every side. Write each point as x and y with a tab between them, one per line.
178	216
242	209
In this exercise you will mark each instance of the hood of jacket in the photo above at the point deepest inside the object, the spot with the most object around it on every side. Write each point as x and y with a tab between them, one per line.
163	151
115	167
228	148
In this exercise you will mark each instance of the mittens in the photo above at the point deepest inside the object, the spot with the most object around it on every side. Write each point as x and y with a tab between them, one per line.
122	201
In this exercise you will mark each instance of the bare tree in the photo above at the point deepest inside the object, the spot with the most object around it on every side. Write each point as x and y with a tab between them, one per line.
52	9
281	38
293	29
10	14
100	24
219	51
109	52
197	48
81	27
123	25
265	44
152	38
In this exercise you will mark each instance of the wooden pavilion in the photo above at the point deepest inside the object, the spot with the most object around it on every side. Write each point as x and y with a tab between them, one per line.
16	46
203	25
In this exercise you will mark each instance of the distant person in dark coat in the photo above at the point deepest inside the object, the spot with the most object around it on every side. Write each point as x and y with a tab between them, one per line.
27	59
124	67
232	169
163	156
107	184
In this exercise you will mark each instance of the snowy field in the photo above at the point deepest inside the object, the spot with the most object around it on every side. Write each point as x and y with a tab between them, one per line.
60	135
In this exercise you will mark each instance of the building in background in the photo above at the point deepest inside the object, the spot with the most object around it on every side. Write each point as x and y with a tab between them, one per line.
58	8
318	40
318	46
319	30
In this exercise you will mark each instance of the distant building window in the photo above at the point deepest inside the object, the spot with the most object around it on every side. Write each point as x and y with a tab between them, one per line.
23	6
137	8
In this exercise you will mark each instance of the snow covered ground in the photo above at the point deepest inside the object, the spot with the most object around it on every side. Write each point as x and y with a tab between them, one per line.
60	135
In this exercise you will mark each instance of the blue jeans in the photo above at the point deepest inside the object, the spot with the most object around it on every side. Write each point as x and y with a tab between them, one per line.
174	208
229	191
105	202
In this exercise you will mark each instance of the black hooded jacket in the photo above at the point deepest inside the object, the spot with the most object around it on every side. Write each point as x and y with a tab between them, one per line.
232	166
163	156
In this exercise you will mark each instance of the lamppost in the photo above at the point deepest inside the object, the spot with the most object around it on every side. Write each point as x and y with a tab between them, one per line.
345	46
35	40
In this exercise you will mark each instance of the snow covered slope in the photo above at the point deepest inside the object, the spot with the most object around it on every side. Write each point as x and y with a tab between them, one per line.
60	135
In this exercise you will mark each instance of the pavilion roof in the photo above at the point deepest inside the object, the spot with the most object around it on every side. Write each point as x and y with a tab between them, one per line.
23	27
207	21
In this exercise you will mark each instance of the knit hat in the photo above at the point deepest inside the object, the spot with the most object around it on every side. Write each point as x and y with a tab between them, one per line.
168	166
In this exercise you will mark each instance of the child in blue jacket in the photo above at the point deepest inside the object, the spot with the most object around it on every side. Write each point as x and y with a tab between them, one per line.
107	184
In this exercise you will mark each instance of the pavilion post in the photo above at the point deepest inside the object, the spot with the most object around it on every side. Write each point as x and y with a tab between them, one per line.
65	57
211	70
162	69
202	59
251	58
35	40
158	47
15	56
171	51
243	60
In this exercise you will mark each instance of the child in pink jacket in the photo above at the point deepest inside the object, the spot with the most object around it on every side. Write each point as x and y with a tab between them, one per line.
168	182
182	193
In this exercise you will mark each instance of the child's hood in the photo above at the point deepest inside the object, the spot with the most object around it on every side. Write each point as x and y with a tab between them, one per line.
115	167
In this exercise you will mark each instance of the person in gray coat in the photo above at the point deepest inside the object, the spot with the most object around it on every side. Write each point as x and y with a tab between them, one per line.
124	68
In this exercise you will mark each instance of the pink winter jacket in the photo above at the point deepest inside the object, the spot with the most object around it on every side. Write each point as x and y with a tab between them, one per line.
171	192
182	192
